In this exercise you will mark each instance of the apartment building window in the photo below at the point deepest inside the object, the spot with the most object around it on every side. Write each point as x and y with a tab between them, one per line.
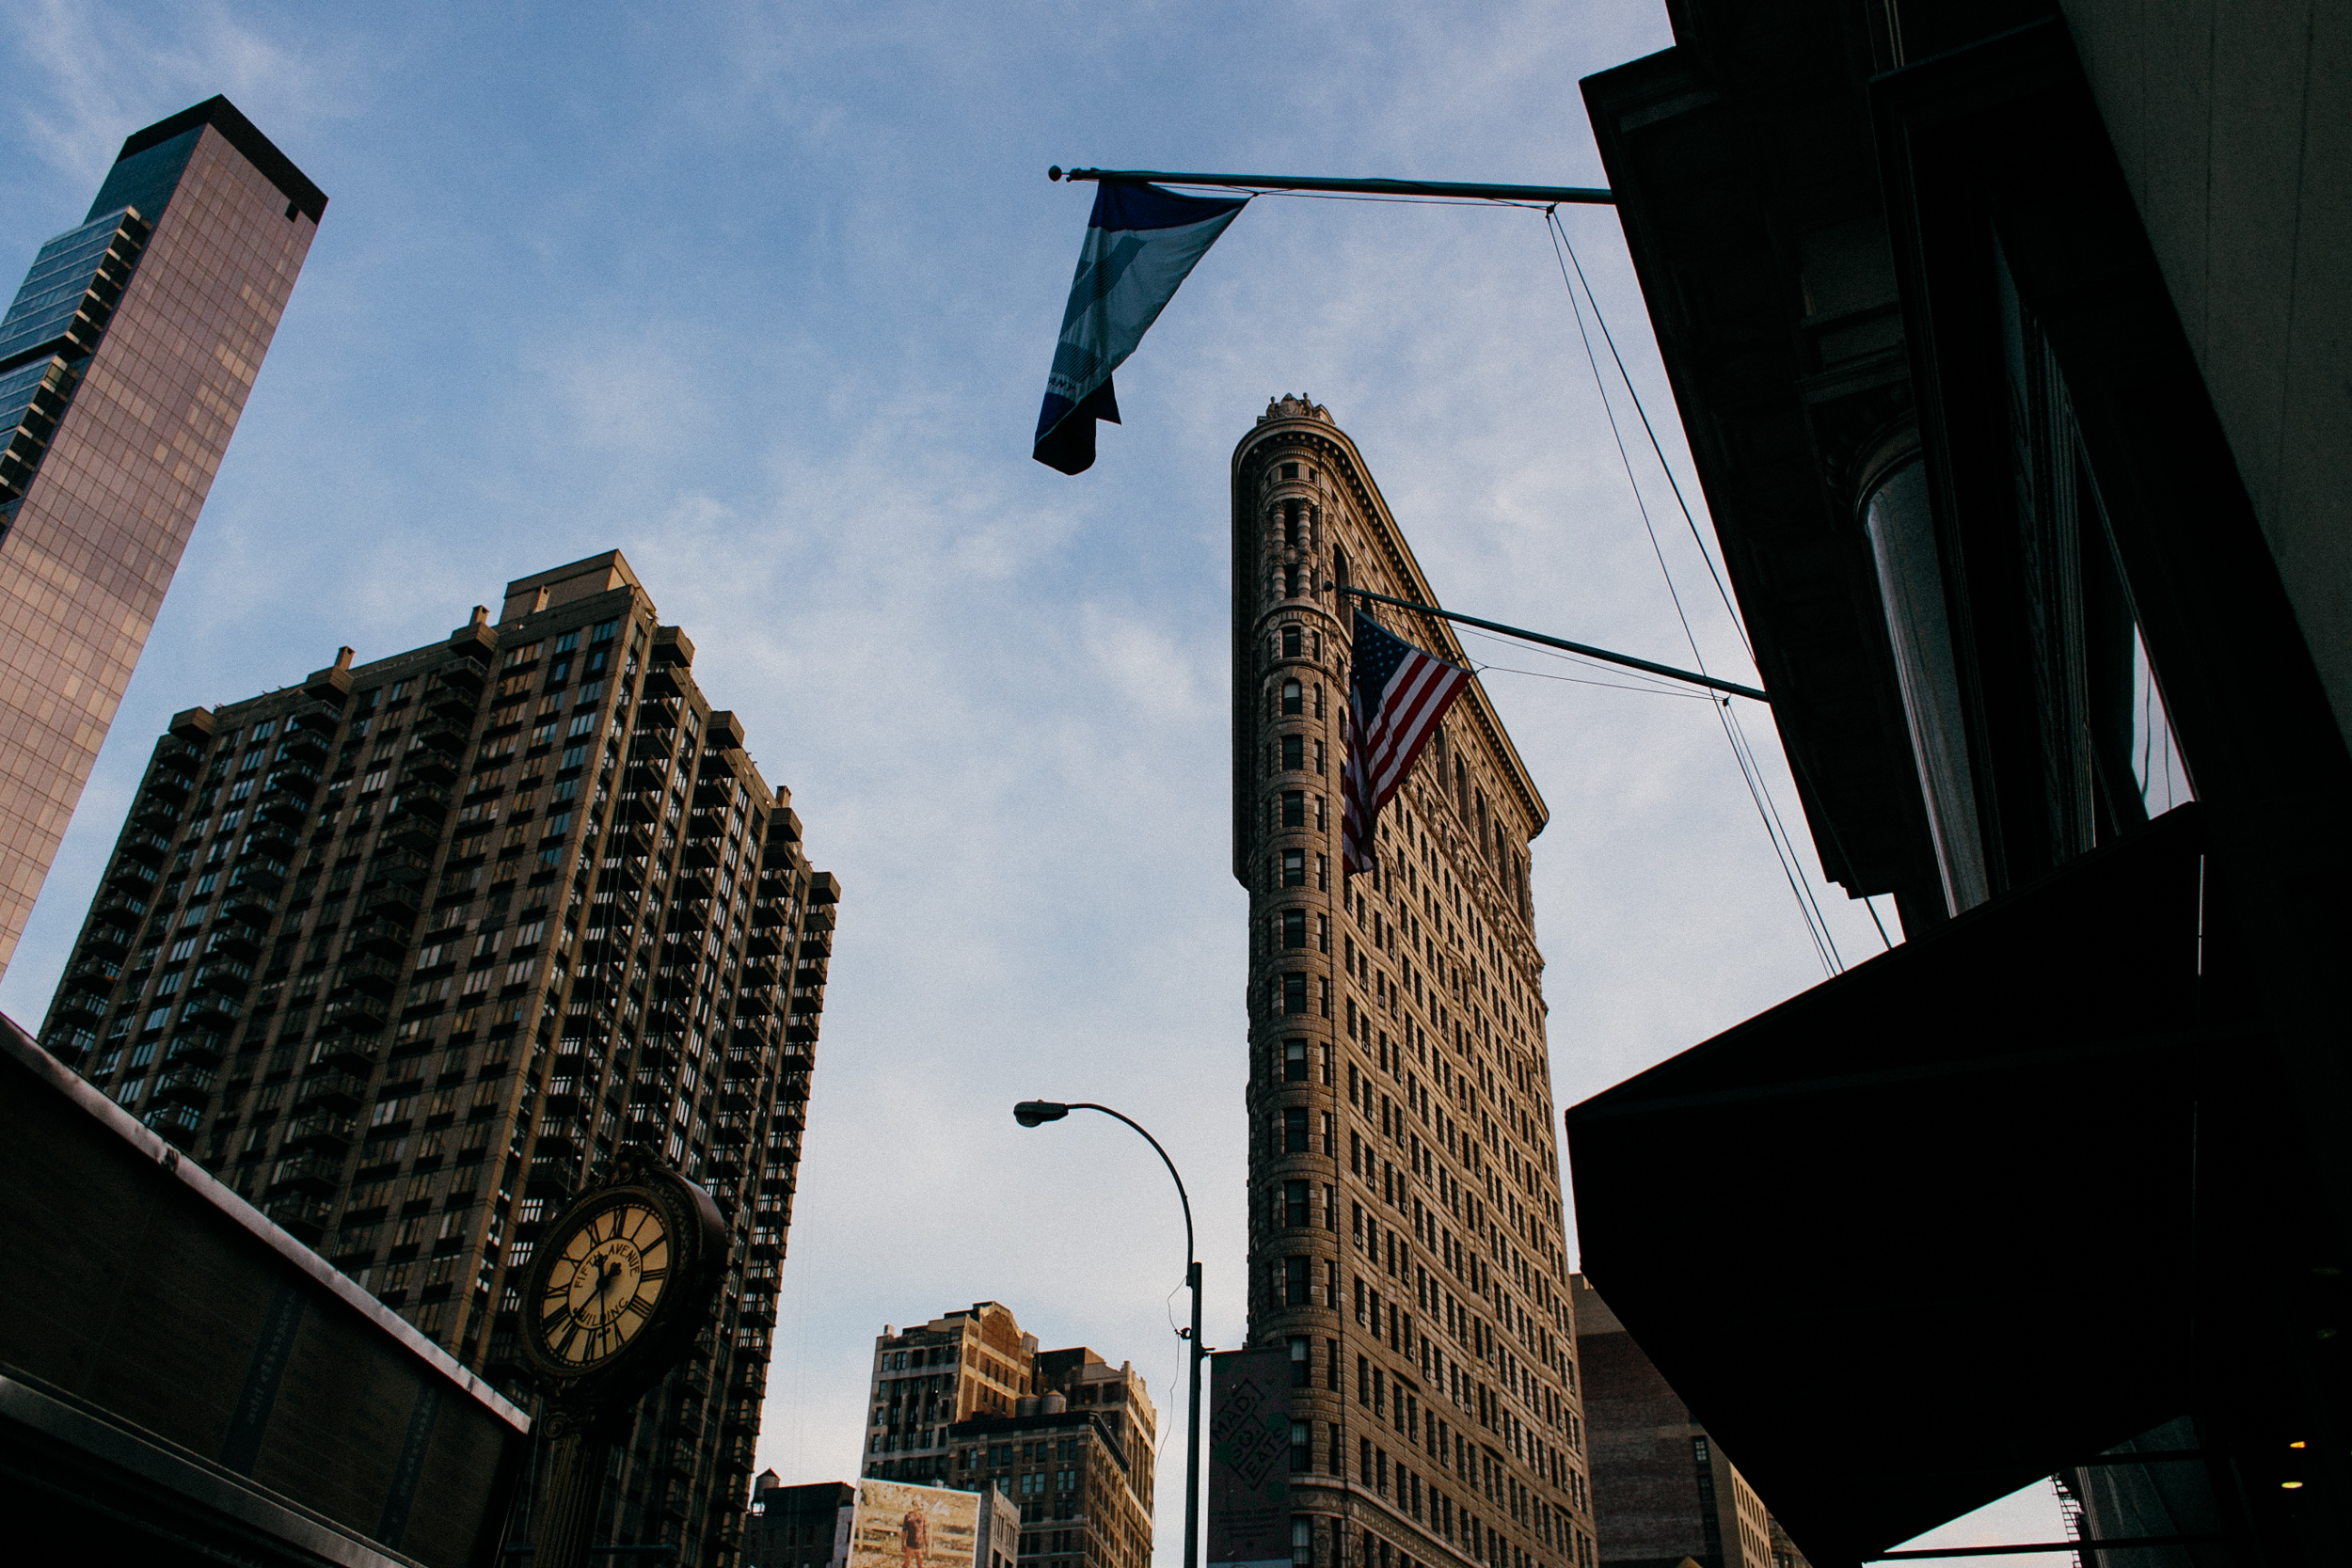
1302	1366
1295	867
1294	1061
1294	697
1290	642
1294	1204
1294	808
1293	993
1294	752
1302	1447
1294	1281
1294	1130
1294	930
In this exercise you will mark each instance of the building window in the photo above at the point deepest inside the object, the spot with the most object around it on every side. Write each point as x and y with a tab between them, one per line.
1294	1061
1302	1368
1290	642
1294	1281
1294	931
1295	752
1294	1130
1294	1204
1294	697
1295	995
1294	808
1302	1445
1294	868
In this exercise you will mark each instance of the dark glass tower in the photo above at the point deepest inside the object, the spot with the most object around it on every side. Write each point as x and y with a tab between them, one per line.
403	953
124	363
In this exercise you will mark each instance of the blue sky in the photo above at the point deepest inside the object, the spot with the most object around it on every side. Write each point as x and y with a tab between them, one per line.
764	296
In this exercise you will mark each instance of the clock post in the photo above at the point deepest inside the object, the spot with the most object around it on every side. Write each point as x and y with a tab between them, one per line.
620	1286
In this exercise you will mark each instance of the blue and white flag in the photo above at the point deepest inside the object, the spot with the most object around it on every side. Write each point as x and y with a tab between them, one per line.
1141	243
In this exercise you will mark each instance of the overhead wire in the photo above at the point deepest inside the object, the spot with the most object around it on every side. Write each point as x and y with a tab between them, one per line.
1815	925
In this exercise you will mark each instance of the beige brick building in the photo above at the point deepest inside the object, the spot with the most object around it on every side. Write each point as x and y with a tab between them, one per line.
1407	1243
968	1401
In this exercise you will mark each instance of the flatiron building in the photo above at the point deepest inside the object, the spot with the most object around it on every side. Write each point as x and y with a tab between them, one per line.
125	359
404	952
1406	1245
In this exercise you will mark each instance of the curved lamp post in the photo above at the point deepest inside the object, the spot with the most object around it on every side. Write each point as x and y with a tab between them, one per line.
1033	1112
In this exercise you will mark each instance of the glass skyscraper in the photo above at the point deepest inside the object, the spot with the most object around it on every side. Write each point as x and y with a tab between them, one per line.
125	361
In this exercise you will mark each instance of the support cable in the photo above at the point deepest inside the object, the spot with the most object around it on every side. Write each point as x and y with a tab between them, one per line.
1816	928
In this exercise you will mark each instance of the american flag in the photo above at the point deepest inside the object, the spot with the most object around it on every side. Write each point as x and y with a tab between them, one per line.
1393	705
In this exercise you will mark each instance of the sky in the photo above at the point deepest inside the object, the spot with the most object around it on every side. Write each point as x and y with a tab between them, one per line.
764	296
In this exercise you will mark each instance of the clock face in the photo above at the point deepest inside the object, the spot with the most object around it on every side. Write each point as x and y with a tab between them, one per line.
603	1285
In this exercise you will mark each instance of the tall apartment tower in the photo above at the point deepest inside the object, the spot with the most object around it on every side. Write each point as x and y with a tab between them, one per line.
124	362
1405	1235
968	1401
404	952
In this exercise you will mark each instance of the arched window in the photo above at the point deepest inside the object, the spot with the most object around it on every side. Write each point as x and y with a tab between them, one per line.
1291	697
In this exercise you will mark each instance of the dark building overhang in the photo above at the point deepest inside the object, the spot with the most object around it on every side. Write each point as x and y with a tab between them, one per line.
2044	1179
1931	1230
1776	319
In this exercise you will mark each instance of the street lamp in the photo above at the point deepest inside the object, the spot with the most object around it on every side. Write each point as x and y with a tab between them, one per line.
1034	1113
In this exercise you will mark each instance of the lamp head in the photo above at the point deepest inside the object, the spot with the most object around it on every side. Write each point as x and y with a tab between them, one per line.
1029	1113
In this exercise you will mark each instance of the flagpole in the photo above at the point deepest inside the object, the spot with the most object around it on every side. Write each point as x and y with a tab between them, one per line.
1733	688
1589	195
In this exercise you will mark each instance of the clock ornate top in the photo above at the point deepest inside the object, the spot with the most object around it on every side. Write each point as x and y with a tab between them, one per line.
621	1282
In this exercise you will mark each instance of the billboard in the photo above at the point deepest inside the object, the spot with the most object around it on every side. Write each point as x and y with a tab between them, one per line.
1249	1459
897	1526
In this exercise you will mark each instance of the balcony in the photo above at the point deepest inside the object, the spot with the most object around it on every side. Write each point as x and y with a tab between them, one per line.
133	877
381	935
191	1084
173	787
301	1217
321	721
429	768
354	1054
79	1007
439	734
404	868
213	1009
289	812
119	908
367	972
152	848
179	757
225	974
175	1123
461	674
202	1046
258	873
330	1087
94	975
234	941
273	836
295	780
358	1011
764	943
156	814
302	746
103	941
307	1172
396	902
331	1133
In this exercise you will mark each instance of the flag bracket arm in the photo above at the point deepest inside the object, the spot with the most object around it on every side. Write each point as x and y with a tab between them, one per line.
1585	195
1627	661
